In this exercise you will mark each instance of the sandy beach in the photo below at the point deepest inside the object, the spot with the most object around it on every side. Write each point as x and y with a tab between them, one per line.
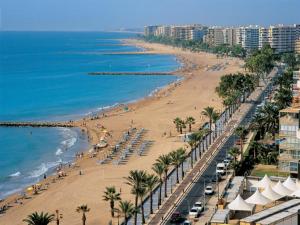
155	114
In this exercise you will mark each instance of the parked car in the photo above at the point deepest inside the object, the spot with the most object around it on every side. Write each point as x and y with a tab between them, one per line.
177	217
209	190
199	205
194	212
221	168
187	222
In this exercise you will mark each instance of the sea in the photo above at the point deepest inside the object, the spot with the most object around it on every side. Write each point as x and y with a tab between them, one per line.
44	77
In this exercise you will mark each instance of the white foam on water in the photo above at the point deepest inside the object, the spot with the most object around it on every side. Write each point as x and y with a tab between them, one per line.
16	174
58	151
43	168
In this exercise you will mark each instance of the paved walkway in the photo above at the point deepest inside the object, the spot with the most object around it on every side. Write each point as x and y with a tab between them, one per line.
171	203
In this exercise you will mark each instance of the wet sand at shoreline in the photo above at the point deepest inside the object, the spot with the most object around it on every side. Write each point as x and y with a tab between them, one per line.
181	99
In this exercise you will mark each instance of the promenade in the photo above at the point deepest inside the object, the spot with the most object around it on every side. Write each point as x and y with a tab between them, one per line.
191	188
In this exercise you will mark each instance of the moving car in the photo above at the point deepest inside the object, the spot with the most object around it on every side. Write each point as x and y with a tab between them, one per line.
209	190
187	222
216	178
177	217
194	212
199	205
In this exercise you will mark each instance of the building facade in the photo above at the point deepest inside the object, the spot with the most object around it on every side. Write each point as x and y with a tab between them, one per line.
249	37
289	132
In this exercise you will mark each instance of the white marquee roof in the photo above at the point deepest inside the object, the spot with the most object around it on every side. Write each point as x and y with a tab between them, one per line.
258	199
271	194
290	184
263	183
282	190
239	204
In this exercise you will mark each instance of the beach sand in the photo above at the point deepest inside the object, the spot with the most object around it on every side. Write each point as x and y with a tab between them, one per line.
182	99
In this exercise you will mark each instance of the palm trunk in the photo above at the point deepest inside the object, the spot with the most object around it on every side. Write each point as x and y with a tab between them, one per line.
210	124
195	153
182	172
151	202
192	163
166	183
135	212
83	219
125	220
203	150
190	127
159	196
143	213
242	154
112	206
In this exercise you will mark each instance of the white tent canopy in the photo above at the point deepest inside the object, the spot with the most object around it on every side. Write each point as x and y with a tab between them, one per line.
282	190
271	194
290	184
258	199
263	183
296	194
239	204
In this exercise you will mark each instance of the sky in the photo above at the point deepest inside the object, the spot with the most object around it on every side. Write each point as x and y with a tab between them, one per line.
95	15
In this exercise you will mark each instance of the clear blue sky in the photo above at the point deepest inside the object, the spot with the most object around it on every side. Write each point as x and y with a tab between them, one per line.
114	14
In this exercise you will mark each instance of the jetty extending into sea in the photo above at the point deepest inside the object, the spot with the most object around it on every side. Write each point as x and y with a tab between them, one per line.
36	124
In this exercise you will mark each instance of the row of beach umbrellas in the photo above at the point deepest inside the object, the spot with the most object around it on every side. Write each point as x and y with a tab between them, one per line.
270	193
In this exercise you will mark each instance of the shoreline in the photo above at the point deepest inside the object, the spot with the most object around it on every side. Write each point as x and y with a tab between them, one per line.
115	121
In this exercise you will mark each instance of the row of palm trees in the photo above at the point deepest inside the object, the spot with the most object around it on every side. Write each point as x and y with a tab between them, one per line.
181	124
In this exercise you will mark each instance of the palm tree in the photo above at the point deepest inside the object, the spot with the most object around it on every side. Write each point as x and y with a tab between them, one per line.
209	112
158	168
165	160
234	152
127	209
111	195
83	209
180	124
151	182
215	118
136	180
142	193
39	219
190	121
241	133
176	159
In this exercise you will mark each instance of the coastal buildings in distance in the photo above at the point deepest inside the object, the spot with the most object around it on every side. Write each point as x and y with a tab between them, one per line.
282	38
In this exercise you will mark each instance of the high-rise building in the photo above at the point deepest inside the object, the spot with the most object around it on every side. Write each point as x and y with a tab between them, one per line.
150	30
249	37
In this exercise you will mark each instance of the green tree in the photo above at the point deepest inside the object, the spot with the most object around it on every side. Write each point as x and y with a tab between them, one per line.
290	59
234	152
127	209
165	160
190	121
151	182
158	168
136	180
111	195
83	209
241	132
39	219
177	158
180	124
209	113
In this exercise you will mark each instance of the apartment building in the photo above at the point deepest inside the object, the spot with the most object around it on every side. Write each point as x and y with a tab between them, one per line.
150	30
163	31
249	37
289	133
218	35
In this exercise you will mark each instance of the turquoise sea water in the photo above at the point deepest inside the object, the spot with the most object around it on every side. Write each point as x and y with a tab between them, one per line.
43	76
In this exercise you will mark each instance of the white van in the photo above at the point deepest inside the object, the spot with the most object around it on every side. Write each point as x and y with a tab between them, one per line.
221	168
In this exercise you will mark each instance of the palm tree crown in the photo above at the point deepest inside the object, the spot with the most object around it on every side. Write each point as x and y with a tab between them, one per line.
111	195
39	219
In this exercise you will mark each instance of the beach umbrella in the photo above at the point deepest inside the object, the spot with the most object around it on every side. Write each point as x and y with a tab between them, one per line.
239	204
258	199
30	189
282	190
290	184
271	194
263	183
